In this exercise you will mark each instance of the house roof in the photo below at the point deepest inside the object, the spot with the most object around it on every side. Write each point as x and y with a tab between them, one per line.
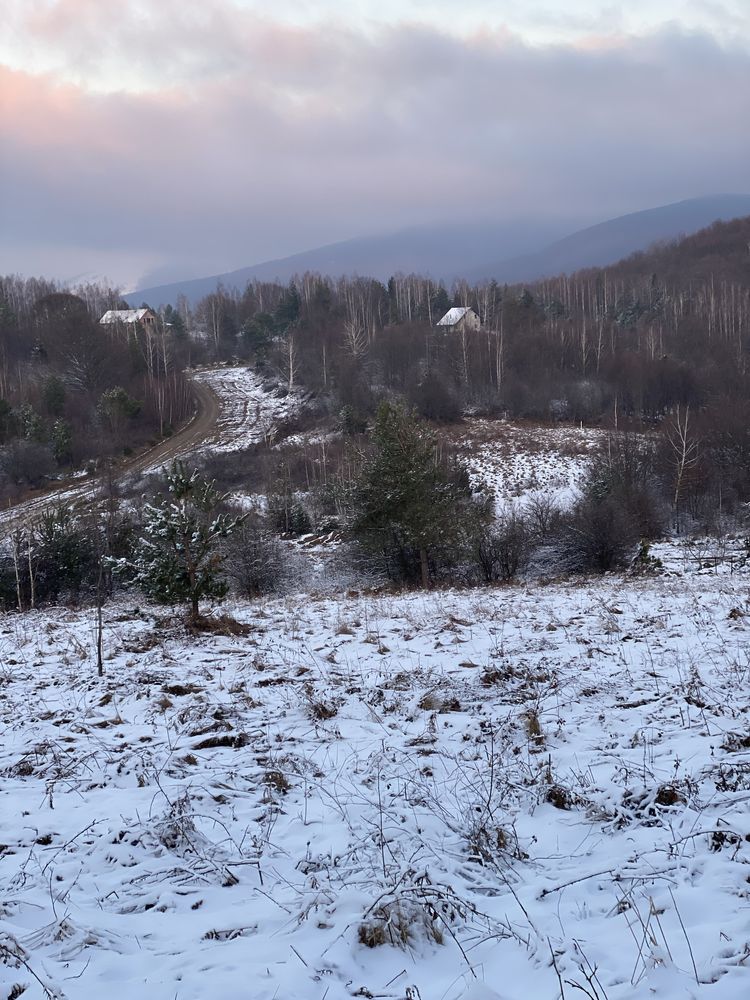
454	315
124	315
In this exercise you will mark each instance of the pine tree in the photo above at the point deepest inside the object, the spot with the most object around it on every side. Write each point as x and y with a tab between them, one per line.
61	440
178	559
410	505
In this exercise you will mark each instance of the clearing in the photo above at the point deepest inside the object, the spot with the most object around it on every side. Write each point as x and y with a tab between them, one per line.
494	793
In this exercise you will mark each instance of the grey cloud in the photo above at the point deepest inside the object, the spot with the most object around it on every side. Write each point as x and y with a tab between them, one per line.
316	136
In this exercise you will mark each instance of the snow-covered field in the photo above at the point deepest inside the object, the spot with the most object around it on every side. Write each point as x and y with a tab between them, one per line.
519	462
250	413
517	793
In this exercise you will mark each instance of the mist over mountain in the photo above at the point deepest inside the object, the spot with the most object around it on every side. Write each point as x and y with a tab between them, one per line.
441	251
510	252
608	242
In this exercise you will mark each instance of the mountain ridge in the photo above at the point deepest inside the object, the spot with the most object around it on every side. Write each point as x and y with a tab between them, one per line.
460	251
615	239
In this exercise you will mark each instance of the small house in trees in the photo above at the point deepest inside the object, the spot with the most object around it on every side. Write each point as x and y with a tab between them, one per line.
130	318
459	319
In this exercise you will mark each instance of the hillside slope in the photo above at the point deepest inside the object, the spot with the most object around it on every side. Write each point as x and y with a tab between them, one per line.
720	252
444	252
615	239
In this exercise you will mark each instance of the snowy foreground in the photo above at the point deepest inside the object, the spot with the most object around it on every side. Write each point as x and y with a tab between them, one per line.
515	793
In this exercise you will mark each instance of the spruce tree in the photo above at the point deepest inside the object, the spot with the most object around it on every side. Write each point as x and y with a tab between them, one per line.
178	558
409	504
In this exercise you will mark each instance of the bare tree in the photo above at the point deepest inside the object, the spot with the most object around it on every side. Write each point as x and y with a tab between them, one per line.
290	359
684	453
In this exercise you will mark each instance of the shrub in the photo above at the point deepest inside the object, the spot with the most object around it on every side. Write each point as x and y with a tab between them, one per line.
351	422
434	400
598	535
504	549
56	555
27	462
65	555
618	507
287	515
542	515
254	559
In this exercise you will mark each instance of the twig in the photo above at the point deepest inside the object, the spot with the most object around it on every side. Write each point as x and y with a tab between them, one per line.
299	956
558	888
69	842
687	939
557	971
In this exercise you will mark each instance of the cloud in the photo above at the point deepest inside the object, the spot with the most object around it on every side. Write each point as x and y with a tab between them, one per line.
288	136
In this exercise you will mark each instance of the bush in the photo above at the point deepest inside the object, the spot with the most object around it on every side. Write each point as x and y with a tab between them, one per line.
351	422
55	556
287	515
625	471
254	559
619	506
598	535
27	463
504	549
434	400
65	556
542	515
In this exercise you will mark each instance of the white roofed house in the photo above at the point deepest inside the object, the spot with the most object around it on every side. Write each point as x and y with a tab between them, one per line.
130	319
460	319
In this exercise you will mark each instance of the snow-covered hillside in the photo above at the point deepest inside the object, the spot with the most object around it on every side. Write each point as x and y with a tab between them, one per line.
515	793
520	462
251	411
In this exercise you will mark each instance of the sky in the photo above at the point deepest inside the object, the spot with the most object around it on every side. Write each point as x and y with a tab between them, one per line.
150	140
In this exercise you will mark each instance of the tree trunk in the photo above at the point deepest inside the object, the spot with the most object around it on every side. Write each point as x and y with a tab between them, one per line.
425	567
99	621
194	610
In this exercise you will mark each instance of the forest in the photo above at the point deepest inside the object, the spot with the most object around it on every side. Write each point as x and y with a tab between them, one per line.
73	392
655	346
653	349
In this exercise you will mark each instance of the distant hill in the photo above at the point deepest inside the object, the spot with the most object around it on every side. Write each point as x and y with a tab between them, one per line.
475	251
718	253
611	241
443	252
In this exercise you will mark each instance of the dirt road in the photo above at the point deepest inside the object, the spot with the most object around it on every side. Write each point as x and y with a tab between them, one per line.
197	431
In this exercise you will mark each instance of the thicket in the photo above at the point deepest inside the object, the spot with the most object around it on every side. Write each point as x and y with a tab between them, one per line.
73	391
64	555
180	545
397	494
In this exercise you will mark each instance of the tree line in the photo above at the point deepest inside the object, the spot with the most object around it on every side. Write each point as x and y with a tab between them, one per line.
657	344
622	345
